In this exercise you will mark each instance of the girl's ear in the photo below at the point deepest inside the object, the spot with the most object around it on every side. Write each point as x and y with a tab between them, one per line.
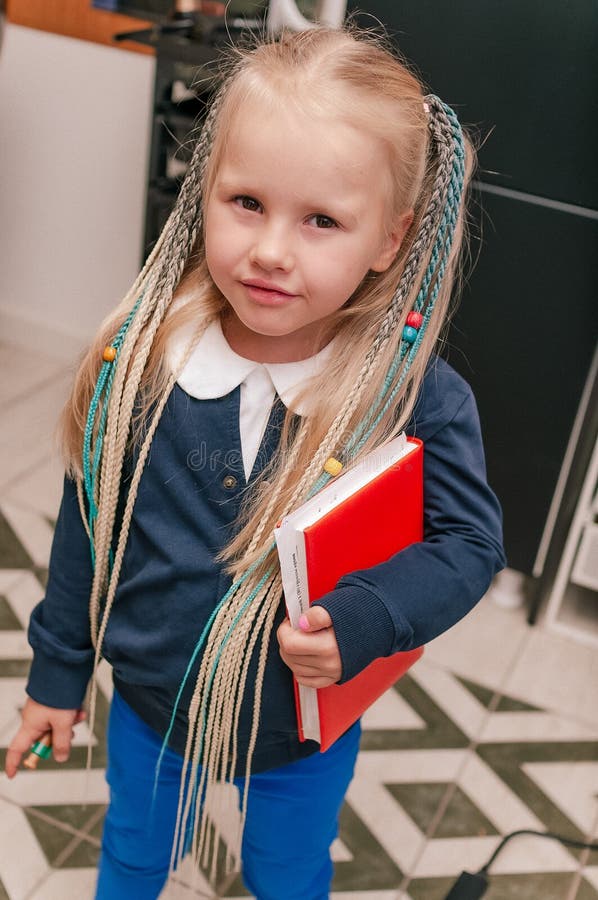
392	242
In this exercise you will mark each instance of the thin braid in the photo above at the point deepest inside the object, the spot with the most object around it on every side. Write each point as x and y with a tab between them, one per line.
126	522
292	461
160	277
422	242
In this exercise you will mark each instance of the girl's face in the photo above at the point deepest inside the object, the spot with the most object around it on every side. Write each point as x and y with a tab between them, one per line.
296	217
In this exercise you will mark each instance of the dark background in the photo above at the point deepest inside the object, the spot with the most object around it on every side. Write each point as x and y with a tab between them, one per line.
523	78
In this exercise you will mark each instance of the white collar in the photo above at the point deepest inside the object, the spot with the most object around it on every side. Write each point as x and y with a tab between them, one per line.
214	369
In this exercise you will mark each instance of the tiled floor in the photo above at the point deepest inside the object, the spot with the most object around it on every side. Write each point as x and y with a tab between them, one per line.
495	729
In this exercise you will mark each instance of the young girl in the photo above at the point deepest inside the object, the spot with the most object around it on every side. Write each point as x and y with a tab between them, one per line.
288	314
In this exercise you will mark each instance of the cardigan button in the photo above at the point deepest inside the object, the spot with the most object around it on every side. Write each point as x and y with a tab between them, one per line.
229	482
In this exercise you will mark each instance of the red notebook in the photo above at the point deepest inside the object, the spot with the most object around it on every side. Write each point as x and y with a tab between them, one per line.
360	519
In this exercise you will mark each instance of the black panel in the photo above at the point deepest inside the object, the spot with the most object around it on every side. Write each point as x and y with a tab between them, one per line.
524	70
523	337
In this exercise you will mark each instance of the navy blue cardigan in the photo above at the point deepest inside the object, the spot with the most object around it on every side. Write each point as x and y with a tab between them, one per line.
187	504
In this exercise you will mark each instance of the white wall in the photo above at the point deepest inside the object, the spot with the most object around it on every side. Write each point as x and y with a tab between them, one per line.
74	141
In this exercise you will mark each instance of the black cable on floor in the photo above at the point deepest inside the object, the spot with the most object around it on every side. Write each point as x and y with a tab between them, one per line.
473	885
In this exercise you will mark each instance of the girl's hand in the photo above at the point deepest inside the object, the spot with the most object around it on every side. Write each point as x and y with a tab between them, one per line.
36	720
311	651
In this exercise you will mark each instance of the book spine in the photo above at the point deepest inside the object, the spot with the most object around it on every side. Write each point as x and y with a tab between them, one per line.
293	570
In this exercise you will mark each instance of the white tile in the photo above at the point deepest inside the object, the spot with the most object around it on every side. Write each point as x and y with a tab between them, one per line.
450	856
494	798
13	645
405	766
40	488
9	724
65	786
590	873
31	528
8	578
514	727
340	852
31	438
450	695
17	844
558	675
12	697
483	646
533	854
391	712
508	589
23	594
64	884
572	786
23	371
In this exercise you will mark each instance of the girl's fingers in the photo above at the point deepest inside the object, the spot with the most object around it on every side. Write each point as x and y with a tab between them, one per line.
19	745
61	742
306	671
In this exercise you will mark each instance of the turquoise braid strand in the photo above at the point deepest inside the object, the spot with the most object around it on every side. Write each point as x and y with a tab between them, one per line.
101	393
436	266
231	591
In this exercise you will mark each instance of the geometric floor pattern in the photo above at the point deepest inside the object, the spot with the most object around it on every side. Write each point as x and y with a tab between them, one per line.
495	729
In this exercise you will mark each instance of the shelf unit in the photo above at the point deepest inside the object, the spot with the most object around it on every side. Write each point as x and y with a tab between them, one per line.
186	77
572	607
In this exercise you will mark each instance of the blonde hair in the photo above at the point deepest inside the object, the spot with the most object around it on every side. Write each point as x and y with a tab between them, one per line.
362	398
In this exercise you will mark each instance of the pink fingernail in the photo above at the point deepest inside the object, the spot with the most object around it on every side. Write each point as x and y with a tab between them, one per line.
303	623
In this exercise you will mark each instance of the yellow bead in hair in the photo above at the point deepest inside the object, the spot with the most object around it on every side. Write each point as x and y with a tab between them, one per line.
333	466
109	354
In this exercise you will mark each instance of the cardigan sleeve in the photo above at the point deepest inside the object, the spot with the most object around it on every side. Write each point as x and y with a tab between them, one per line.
426	588
59	630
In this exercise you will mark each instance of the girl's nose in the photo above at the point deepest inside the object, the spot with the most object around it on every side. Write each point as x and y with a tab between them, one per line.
271	248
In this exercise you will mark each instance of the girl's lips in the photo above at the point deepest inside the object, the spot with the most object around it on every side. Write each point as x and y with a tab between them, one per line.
267	296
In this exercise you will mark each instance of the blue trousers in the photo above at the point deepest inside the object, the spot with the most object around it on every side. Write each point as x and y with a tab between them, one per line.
292	817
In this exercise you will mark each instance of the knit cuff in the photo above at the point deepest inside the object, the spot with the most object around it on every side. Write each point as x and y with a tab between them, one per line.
362	625
57	683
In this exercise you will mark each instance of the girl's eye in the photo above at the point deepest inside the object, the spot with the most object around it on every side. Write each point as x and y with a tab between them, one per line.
322	221
246	202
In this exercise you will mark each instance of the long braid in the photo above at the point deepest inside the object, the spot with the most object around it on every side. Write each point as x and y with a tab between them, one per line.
156	282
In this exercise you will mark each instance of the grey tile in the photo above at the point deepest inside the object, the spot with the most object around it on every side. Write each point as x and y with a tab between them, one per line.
370	868
508	762
12	553
460	818
440	730
8	620
83	855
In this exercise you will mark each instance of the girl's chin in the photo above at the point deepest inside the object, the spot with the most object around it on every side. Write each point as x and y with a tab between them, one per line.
271	342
